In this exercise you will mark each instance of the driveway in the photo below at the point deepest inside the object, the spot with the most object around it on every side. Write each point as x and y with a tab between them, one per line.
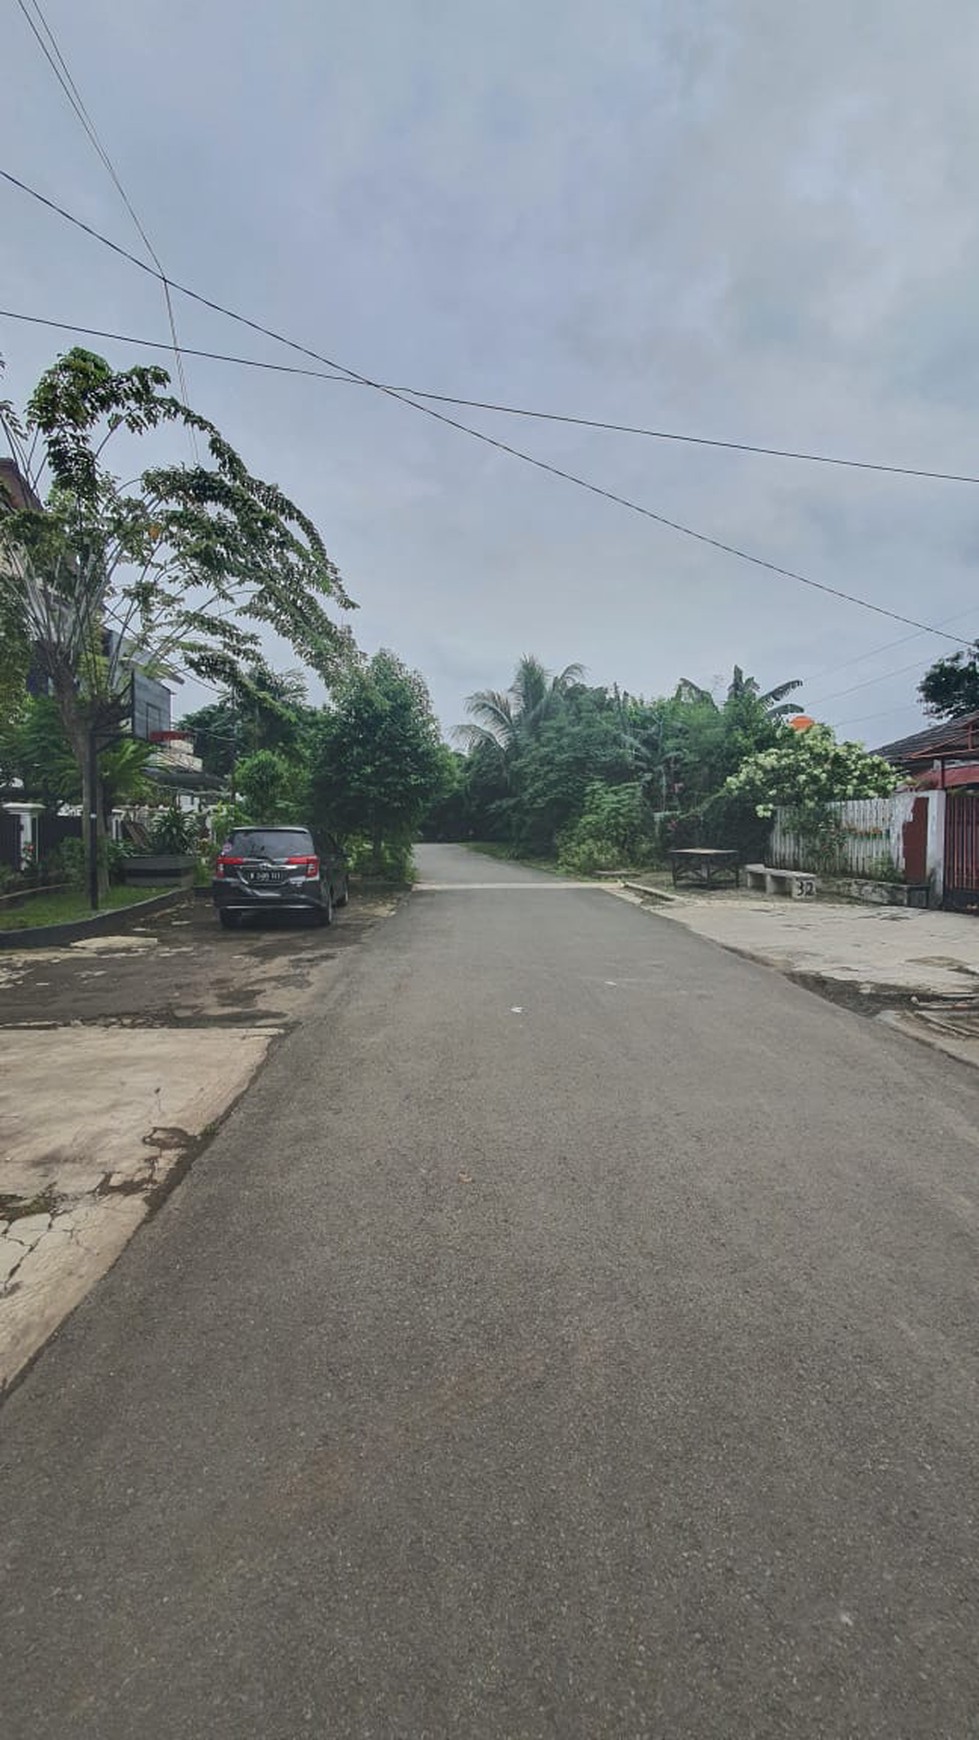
571	1333
118	1055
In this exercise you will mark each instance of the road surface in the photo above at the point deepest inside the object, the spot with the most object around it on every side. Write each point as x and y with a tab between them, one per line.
572	1333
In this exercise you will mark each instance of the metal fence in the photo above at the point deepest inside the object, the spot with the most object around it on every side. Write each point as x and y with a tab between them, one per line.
866	837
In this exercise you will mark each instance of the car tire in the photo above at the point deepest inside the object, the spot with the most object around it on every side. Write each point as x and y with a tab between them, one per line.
343	898
324	913
229	920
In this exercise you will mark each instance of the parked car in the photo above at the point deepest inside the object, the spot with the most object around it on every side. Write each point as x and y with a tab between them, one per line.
278	869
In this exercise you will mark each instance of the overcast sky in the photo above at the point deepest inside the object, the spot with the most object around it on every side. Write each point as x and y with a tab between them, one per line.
748	219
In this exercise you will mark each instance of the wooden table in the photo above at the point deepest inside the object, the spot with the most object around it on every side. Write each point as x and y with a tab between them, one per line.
703	865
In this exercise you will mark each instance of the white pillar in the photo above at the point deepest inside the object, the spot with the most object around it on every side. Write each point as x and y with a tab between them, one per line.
935	849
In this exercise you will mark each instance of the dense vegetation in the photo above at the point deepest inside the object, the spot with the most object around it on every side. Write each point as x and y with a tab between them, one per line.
365	767
597	777
182	567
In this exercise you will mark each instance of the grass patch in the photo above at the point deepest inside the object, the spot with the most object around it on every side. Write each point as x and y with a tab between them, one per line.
67	908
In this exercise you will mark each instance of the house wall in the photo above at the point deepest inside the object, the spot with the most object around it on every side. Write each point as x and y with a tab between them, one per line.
151	705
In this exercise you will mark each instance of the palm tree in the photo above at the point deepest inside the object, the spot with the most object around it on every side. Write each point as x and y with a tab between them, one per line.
772	702
742	688
503	720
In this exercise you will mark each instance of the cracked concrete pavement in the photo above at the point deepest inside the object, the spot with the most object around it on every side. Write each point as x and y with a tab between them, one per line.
918	970
118	1055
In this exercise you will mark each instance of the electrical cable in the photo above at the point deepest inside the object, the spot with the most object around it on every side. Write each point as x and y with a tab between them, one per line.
62	72
503	446
351	380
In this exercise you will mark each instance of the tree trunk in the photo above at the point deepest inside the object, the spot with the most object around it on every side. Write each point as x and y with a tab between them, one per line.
377	847
75	720
92	802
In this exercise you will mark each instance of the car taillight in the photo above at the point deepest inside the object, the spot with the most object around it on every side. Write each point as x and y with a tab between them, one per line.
311	865
224	863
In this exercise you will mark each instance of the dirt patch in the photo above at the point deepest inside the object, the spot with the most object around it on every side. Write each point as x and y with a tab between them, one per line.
180	969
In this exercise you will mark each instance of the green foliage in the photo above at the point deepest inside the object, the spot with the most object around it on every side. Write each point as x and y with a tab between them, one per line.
581	743
536	750
67	862
272	789
65	908
226	817
805	770
14	665
37	752
186	565
950	687
125	776
173	830
377	762
505	720
448	816
614	830
264	709
391	863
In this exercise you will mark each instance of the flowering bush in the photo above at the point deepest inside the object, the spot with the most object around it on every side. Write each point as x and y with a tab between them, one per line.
806	770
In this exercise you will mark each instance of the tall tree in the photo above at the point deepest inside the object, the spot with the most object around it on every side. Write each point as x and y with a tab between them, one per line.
265	709
950	687
180	567
378	761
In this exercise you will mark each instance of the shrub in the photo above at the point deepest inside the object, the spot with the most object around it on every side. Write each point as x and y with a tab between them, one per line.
173	830
67	862
393	864
614	829
116	855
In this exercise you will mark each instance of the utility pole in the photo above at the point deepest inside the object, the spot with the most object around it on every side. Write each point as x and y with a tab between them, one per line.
93	815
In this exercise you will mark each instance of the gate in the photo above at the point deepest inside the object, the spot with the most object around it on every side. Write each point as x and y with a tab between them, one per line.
962	851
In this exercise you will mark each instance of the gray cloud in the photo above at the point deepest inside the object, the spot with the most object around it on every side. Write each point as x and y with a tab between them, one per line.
740	218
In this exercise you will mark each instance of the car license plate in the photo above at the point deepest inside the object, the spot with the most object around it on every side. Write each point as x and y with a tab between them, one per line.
266	875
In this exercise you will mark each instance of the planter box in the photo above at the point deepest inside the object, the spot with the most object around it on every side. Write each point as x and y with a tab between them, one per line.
160	870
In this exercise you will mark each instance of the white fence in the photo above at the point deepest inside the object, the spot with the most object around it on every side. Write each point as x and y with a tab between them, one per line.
868	839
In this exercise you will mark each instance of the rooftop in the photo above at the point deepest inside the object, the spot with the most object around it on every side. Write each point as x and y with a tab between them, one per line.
954	737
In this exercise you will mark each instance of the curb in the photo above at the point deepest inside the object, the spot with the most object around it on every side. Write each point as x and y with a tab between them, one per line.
662	894
100	924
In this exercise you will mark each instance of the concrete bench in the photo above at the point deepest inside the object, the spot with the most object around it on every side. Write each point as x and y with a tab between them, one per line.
797	883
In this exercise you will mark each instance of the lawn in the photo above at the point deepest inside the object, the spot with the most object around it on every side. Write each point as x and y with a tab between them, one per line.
66	907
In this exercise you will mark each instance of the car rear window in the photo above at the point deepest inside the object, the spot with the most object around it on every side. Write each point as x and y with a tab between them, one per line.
272	842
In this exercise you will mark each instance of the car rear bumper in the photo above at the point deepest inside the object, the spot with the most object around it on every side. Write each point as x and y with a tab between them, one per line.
234	896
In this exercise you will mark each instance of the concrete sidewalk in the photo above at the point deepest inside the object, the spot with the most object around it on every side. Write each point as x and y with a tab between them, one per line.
919	969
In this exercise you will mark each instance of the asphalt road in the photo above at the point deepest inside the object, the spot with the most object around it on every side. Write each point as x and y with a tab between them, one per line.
572	1333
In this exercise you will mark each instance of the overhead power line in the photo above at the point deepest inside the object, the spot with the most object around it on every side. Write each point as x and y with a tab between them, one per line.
865	718
51	51
351	380
902	640
868	683
492	440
